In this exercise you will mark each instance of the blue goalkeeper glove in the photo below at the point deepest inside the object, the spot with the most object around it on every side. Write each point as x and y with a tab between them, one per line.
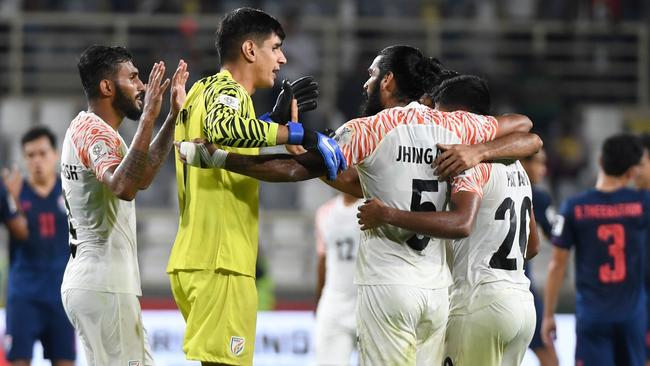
328	148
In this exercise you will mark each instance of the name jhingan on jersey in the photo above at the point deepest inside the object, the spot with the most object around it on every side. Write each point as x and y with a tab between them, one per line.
417	155
517	179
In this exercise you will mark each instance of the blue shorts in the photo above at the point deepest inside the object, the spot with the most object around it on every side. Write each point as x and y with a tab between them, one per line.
536	342
31	320
611	343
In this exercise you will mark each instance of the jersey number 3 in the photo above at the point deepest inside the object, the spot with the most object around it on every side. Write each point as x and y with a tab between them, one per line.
614	236
500	258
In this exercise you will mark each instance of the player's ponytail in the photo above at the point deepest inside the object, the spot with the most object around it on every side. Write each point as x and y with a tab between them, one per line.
414	73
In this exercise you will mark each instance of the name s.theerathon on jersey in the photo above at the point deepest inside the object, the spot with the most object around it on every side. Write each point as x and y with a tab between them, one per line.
417	155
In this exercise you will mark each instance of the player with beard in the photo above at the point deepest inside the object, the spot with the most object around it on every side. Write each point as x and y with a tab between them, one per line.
101	177
402	276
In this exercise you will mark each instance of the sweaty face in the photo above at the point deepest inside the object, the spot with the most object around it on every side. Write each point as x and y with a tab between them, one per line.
371	91
642	179
269	57
129	91
41	158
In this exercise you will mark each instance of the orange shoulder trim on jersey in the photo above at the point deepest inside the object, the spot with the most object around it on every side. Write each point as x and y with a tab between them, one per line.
96	144
473	180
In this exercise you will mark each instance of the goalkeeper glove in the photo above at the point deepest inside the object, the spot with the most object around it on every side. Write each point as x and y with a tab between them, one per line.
304	90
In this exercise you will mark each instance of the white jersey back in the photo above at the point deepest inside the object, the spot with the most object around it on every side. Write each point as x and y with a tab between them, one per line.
101	225
337	236
393	152
492	257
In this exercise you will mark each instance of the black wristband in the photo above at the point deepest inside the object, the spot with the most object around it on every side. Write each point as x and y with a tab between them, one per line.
309	139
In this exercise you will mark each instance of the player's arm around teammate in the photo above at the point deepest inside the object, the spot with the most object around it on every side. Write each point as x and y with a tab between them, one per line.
142	162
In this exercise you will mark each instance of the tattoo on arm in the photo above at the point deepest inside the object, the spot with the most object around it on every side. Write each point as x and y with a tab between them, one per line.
135	163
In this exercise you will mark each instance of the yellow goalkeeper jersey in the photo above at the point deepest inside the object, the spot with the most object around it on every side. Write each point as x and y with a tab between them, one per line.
218	227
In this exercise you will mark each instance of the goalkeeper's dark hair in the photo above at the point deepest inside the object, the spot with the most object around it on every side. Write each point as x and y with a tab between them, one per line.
241	24
98	63
619	153
413	72
36	133
464	92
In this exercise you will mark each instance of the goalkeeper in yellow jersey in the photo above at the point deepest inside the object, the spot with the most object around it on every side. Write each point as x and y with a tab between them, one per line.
212	262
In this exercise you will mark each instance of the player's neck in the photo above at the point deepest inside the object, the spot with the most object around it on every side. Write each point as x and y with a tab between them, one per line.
349	200
241	74
42	186
107	113
608	183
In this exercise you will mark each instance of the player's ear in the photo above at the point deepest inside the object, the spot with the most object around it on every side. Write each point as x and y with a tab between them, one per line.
388	82
248	50
106	88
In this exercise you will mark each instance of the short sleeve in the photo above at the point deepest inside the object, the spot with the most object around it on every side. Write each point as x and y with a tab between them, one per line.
97	145
474	128
359	137
473	180
563	228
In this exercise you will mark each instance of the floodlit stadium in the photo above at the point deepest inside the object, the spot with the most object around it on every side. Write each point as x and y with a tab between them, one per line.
579	70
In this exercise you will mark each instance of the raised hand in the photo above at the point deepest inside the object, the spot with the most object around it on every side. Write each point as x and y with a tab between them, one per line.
455	159
305	91
154	91
281	112
332	155
177	91
13	181
371	214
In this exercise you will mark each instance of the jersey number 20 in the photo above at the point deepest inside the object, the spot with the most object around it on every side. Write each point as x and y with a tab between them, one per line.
500	258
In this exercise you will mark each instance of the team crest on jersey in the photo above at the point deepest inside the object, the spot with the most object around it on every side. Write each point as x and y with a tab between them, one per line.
237	345
98	151
135	363
228	101
344	135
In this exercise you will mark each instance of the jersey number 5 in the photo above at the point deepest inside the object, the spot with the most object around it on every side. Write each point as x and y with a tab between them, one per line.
418	241
500	258
616	249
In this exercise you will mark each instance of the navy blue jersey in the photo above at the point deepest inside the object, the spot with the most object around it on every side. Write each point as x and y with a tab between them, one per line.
609	232
36	265
7	206
541	205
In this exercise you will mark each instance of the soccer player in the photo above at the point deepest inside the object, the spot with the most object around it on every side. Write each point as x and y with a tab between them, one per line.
608	226
212	263
535	167
337	242
402	299
642	181
34	309
101	177
491	318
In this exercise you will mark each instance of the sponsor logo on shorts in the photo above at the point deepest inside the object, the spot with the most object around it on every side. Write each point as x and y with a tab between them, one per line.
237	345
135	363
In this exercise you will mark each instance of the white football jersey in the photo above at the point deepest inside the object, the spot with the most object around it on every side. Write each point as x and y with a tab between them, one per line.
337	236
101	225
393	151
492	256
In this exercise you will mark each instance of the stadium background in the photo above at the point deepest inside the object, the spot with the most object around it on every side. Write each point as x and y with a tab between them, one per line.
579	68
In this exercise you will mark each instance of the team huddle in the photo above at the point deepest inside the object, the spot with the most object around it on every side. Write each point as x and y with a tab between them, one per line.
427	270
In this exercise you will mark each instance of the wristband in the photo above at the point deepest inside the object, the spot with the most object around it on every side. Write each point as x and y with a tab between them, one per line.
198	155
266	117
296	133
